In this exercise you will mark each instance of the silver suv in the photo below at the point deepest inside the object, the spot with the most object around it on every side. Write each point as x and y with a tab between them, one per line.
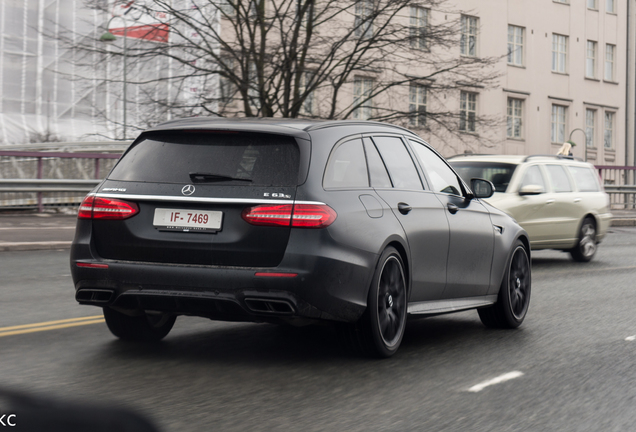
558	200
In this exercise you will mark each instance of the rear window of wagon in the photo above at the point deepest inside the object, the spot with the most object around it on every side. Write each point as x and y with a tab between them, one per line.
171	157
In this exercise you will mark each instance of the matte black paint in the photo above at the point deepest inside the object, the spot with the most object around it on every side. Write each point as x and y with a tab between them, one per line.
446	255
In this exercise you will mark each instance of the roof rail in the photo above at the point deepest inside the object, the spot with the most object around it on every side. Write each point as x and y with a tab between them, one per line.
469	154
552	156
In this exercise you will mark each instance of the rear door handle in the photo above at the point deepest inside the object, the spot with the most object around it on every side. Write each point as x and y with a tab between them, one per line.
577	200
404	208
550	201
452	208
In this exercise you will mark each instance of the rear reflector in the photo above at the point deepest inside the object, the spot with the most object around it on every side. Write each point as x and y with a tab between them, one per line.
106	208
275	275
89	265
296	216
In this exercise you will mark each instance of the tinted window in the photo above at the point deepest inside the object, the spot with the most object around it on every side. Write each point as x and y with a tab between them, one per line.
267	160
559	178
399	163
377	170
585	179
534	177
498	173
441	176
347	167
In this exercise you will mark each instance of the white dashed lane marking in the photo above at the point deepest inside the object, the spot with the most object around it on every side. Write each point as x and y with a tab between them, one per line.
630	338
498	380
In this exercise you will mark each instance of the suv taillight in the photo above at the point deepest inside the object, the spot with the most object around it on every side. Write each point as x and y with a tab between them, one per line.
106	208
297	216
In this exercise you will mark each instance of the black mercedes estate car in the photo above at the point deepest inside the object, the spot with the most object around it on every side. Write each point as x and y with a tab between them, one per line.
294	222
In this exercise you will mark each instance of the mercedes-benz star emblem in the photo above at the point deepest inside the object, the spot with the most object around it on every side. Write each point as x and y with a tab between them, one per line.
188	190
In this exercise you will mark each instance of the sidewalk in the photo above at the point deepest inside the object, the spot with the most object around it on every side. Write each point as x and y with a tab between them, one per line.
33	231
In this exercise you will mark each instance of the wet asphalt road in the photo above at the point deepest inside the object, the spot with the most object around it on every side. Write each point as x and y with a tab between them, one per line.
574	350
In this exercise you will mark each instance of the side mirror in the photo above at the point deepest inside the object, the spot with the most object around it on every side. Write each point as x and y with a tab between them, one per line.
531	190
482	188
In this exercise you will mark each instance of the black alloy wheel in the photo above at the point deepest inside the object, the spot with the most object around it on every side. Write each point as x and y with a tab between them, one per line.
514	295
391	302
586	246
380	331
144	327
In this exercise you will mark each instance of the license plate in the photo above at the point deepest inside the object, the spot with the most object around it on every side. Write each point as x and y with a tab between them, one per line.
187	220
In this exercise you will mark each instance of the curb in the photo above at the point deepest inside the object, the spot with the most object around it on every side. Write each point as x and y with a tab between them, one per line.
623	222
52	245
32	246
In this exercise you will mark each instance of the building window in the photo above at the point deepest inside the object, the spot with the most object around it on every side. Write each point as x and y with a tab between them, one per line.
559	53
590	60
417	105
468	42
362	91
515	118
591	4
467	111
590	125
419	21
363	19
226	8
227	87
515	45
253	91
608	136
610	6
609	62
308	104
558	123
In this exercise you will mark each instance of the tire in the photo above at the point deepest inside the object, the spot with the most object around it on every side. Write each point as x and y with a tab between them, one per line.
585	248
380	330
514	295
143	328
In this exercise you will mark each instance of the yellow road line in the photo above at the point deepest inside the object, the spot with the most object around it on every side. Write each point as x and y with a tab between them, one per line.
50	325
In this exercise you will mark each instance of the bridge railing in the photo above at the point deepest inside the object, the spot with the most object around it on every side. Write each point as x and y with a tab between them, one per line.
49	178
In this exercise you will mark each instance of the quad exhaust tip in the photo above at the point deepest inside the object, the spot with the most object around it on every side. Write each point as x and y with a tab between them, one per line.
269	306
94	296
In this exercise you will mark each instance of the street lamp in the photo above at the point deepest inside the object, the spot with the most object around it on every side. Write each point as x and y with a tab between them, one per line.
109	37
585	141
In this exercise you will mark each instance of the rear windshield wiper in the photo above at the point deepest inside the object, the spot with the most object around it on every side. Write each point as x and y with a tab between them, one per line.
210	177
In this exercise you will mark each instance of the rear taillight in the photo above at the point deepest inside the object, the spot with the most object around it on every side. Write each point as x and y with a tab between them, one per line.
106	208
297	216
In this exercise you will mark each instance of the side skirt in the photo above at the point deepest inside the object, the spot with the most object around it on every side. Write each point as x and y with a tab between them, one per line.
453	305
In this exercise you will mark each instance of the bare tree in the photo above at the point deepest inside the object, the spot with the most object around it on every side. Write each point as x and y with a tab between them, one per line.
333	59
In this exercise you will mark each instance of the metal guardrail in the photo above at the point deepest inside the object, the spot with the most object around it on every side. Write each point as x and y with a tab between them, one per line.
620	189
47	185
622	197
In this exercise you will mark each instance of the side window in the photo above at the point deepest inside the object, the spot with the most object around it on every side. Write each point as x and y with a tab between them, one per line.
347	167
442	178
559	178
533	177
377	171
399	163
585	179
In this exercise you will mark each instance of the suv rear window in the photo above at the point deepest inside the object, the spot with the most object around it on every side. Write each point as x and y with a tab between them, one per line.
498	173
221	158
585	178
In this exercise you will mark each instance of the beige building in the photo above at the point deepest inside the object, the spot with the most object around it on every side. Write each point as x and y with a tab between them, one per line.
564	76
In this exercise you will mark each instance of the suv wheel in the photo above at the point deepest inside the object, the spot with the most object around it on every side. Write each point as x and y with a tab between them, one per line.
138	328
380	330
514	294
586	246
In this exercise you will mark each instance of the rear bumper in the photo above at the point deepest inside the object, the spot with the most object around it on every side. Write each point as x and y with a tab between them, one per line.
604	222
331	284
